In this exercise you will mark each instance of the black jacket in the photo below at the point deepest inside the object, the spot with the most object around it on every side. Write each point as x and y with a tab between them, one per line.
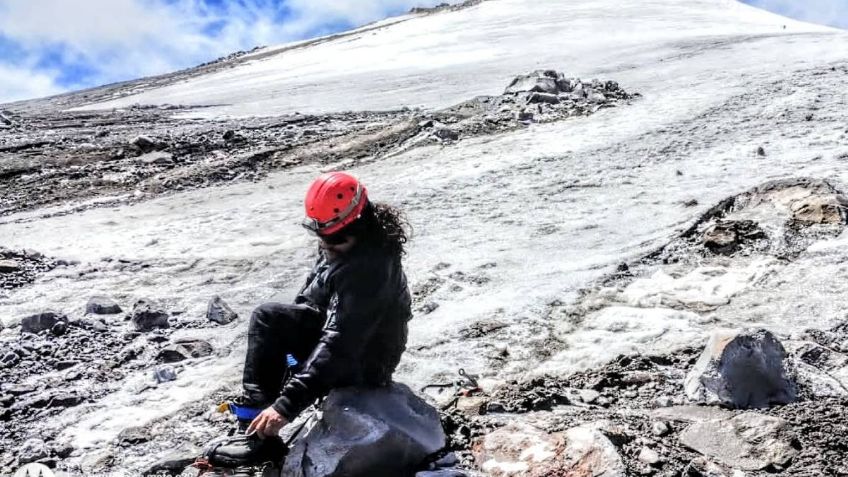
367	304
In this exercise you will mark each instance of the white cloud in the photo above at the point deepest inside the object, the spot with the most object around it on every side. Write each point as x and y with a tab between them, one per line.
124	39
22	83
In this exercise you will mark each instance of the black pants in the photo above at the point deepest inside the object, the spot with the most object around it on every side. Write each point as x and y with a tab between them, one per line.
275	331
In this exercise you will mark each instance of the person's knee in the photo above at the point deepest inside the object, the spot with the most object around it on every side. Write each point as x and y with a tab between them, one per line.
270	315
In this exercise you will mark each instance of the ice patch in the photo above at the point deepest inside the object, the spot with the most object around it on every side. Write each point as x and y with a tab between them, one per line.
702	287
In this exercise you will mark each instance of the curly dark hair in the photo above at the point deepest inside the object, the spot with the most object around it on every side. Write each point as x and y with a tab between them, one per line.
383	226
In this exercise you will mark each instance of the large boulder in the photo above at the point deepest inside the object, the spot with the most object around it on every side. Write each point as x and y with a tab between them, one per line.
519	449
367	432
147	316
102	305
42	321
219	312
749	441
742	369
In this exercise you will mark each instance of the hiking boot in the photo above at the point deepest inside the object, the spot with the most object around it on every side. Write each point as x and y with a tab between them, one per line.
244	450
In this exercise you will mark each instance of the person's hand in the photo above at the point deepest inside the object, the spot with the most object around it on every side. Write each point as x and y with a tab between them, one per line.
267	424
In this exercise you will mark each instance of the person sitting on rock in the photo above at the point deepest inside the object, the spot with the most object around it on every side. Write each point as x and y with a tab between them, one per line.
346	327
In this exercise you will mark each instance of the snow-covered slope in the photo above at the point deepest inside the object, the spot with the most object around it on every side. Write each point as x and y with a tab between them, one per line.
508	227
438	60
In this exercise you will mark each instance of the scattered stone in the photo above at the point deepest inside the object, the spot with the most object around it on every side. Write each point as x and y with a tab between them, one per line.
446	134
102	305
742	369
663	401
760	151
382	431
144	143
10	359
649	456
164	374
184	349
588	396
32	450
219	312
659	429
147	316
156	158
62	365
133	436
749	441
42	321
472	405
521	449
9	266
701	467
59	328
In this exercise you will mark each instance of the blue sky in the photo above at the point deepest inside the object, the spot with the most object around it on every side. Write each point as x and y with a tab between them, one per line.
50	46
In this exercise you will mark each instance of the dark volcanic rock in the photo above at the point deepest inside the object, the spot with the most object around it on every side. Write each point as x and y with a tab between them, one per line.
147	316
102	305
42	321
742	369
219	312
184	349
382	431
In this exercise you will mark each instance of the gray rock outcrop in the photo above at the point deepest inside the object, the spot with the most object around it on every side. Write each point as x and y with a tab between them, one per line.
219	311
367	432
42	321
742	369
147	316
102	305
749	441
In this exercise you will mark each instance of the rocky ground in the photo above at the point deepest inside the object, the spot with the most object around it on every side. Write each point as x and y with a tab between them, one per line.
637	415
96	158
634	416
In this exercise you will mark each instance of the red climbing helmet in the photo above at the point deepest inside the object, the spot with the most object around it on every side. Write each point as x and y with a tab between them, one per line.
334	200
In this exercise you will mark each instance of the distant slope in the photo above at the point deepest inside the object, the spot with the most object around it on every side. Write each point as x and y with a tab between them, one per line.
436	60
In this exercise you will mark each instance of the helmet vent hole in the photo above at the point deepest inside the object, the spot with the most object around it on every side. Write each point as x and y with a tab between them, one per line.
336	210
340	196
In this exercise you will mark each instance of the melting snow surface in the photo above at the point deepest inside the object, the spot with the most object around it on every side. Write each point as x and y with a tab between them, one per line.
504	225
